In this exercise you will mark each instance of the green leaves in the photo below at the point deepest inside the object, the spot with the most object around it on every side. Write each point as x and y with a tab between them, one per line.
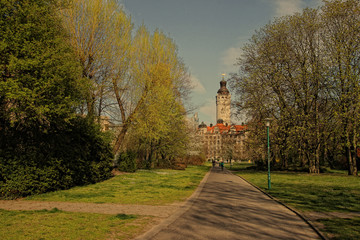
40	75
44	145
302	70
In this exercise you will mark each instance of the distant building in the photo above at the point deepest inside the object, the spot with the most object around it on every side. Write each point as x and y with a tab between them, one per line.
223	102
224	140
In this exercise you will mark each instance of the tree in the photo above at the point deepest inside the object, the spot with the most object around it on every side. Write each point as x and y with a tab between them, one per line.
100	33
302	70
341	30
39	79
157	119
120	68
155	66
44	144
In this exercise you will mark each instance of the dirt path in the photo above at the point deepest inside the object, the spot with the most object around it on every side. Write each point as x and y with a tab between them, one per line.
313	216
105	208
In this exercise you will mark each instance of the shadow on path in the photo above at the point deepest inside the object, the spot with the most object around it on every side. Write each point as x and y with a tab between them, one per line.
230	208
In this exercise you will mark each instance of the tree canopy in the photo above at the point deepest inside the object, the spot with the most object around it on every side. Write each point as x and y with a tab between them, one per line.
44	144
303	71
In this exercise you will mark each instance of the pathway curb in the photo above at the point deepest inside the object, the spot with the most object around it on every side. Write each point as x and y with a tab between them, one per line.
183	209
307	221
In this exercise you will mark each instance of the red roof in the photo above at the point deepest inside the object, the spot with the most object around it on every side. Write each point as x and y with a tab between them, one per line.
223	128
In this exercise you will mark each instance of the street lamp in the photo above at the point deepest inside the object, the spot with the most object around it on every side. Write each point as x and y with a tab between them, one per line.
267	124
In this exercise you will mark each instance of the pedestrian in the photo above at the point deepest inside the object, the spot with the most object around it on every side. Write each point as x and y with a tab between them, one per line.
213	162
222	165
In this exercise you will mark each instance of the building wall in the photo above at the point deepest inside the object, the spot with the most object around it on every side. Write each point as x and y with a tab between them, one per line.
223	110
224	142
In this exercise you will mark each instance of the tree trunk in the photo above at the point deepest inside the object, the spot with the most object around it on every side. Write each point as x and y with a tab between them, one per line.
351	159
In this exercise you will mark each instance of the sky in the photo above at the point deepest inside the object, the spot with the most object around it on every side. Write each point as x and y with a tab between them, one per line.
209	35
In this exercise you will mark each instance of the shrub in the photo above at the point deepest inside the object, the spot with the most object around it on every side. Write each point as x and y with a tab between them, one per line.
127	162
195	159
76	154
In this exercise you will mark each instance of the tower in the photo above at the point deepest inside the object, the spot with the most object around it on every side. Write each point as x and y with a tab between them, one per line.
223	101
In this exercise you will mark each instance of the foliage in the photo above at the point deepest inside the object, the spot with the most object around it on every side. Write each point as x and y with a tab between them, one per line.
131	75
158	129
195	159
149	187
302	71
127	162
100	34
44	145
40	81
59	159
60	225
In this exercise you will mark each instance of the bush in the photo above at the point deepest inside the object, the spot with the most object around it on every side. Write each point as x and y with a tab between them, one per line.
75	154
127	162
195	159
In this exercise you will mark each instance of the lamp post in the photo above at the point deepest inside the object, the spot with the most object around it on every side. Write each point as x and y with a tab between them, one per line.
267	124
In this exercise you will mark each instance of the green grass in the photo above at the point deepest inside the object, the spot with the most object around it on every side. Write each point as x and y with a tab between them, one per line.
333	191
57	224
342	229
149	187
238	166
310	192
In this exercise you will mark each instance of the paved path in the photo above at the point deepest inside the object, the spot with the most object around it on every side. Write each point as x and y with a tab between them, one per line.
229	208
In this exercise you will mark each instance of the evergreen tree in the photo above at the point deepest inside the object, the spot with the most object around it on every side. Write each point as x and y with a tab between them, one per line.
40	87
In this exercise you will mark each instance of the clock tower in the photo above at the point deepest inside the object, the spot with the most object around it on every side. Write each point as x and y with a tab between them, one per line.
223	101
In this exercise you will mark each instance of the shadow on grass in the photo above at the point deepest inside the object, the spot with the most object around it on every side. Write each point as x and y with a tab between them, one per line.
310	192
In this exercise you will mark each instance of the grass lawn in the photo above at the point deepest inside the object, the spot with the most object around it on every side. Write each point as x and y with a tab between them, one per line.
308	192
153	187
61	225
327	192
342	229
149	187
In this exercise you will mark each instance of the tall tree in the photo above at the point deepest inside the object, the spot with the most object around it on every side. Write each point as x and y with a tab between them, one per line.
121	69
39	78
100	33
154	63
40	88
302	70
341	21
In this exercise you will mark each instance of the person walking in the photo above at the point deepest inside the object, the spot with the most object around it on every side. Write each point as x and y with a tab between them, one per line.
222	165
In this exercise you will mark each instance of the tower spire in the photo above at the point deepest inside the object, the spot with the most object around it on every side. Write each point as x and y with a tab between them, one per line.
223	89
223	102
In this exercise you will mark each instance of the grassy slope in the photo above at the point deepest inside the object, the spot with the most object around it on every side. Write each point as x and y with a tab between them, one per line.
65	225
154	187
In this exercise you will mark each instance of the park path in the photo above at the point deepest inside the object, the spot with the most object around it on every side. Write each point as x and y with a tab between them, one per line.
103	208
227	207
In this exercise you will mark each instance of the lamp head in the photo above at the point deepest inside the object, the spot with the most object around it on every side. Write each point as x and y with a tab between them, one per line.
267	122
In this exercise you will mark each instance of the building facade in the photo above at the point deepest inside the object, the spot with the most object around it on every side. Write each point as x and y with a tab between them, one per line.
223	141
223	102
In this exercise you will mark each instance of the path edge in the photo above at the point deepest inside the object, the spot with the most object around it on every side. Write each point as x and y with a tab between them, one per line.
305	219
189	202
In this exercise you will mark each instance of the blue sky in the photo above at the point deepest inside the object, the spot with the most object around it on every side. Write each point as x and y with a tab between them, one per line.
209	35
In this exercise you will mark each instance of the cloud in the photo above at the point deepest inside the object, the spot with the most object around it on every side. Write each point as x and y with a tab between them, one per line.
198	87
209	108
228	58
287	7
